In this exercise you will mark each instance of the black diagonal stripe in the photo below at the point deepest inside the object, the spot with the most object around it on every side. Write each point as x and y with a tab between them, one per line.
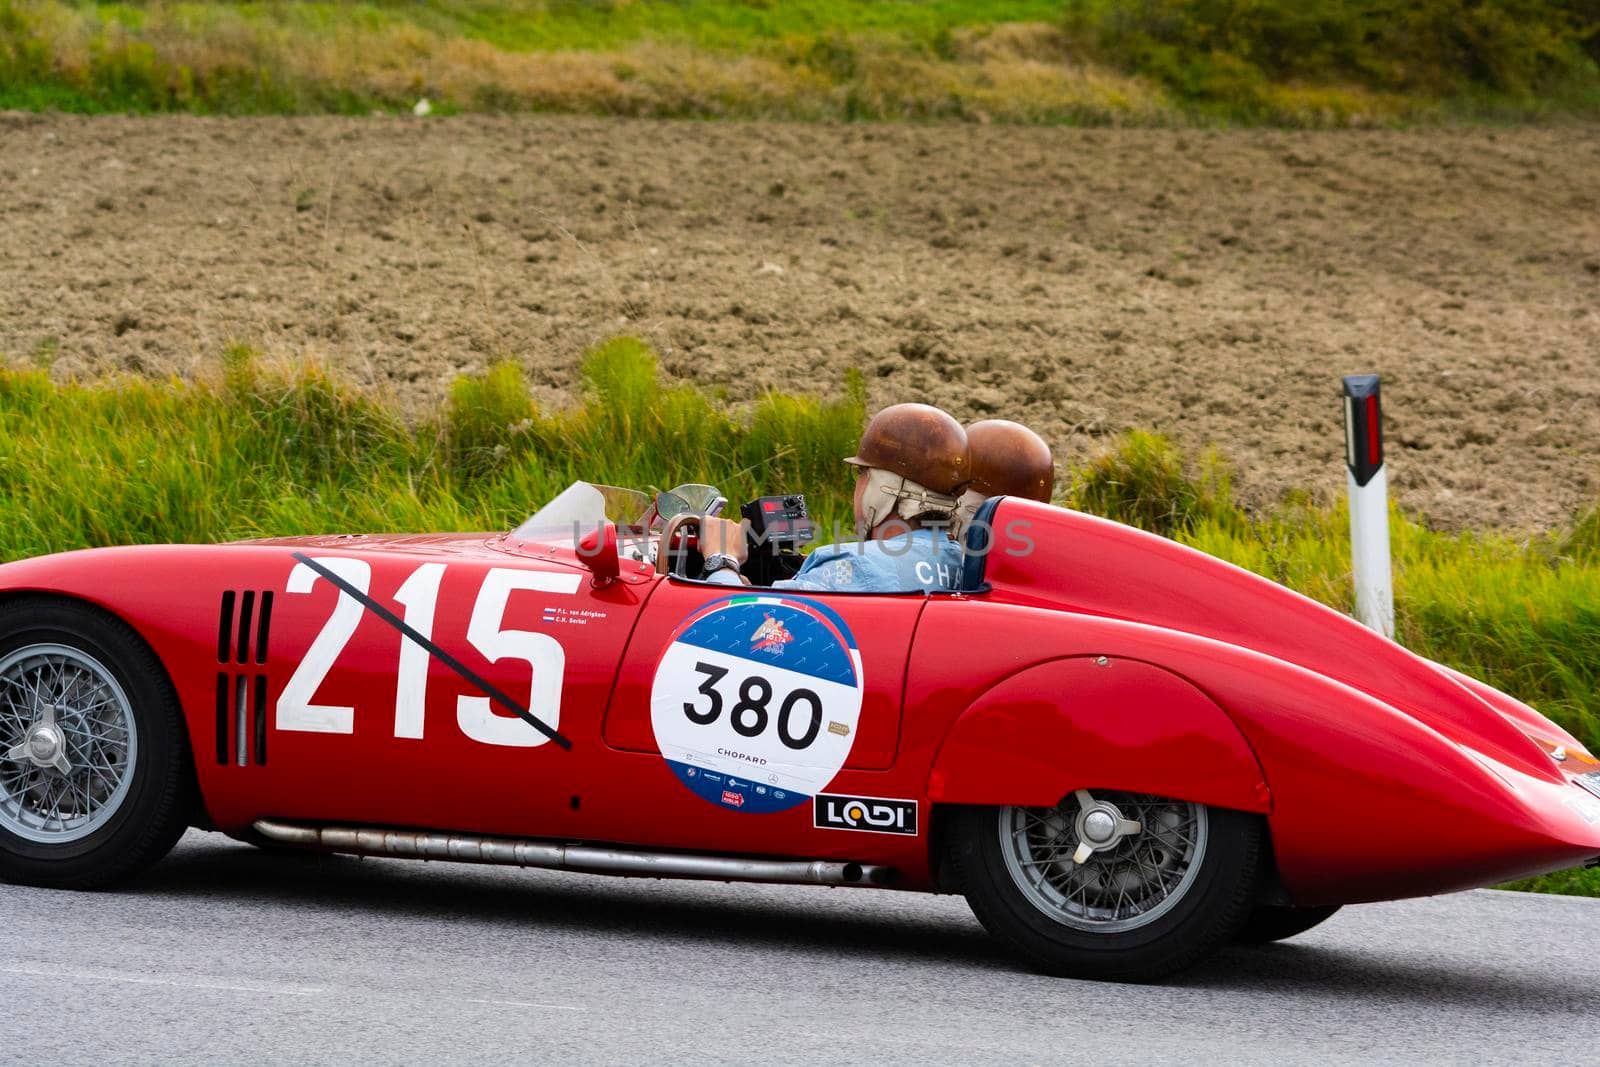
483	685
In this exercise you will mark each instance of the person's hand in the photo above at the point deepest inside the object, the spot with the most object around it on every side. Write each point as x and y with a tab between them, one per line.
724	537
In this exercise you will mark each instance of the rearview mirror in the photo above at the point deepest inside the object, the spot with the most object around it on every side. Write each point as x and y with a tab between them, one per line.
598	550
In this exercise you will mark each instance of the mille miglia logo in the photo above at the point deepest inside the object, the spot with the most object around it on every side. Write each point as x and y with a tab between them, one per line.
770	636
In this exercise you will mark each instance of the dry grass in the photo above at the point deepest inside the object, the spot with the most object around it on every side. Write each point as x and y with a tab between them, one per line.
659	79
975	60
219	59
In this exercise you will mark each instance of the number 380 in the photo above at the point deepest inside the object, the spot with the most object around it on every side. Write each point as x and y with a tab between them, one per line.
750	716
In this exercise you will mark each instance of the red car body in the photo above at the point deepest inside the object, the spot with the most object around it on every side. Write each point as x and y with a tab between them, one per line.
1099	657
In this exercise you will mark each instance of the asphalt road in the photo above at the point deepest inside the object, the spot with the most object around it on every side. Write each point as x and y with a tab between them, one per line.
227	954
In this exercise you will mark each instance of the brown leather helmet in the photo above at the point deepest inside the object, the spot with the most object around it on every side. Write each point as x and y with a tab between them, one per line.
1008	459
918	442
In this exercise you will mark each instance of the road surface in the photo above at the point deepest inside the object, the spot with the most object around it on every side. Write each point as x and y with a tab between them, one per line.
224	953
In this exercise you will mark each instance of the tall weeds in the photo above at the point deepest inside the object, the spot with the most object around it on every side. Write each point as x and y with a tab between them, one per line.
707	60
1322	62
263	453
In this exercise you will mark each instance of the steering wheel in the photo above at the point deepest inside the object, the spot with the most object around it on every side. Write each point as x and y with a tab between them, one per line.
679	523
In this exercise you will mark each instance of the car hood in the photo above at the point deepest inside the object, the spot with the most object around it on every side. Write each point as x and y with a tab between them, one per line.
443	543
1083	564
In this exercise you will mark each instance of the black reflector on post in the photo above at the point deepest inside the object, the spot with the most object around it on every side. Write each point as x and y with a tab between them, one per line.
1369	503
1363	426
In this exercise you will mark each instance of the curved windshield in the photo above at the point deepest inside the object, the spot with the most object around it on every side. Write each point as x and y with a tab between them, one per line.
579	509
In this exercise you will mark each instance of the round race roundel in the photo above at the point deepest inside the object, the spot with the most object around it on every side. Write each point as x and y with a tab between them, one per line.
756	700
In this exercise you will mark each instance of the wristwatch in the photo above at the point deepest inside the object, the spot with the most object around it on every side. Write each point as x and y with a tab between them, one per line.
718	560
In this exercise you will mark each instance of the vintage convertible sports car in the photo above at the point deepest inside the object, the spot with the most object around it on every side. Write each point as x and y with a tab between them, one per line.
1125	753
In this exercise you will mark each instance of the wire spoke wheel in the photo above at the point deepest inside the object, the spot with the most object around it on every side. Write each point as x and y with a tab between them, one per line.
68	744
1107	862
96	777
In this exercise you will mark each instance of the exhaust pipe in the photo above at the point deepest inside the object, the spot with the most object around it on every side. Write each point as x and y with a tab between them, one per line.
521	852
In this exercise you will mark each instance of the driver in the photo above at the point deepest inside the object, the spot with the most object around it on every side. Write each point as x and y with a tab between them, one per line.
912	463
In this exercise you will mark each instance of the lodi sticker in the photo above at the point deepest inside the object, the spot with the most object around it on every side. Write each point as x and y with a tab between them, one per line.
756	699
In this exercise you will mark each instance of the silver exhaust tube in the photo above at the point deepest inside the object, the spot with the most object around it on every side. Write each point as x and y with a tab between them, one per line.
520	852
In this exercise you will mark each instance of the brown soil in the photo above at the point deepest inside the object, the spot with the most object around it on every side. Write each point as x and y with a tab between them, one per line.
1212	285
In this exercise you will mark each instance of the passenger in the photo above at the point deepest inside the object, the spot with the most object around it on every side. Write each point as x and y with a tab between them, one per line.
912	463
1008	459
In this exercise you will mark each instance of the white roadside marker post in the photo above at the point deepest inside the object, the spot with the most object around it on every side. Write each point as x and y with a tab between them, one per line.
1369	503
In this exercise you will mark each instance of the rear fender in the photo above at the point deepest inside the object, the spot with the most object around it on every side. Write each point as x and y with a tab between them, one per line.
1098	722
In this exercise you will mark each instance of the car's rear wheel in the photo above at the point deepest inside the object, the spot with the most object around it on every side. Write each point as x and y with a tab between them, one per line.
1267	924
1111	885
94	766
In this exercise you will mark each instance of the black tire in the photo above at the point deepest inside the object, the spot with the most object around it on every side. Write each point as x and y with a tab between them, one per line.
1267	924
1207	916
155	810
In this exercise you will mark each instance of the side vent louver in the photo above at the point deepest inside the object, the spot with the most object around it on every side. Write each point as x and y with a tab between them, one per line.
225	627
247	611
264	627
242	695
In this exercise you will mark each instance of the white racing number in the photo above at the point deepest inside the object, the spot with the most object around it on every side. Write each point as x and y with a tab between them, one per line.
477	719
295	710
756	701
419	596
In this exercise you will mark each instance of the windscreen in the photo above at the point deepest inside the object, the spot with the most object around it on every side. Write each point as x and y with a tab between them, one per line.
579	509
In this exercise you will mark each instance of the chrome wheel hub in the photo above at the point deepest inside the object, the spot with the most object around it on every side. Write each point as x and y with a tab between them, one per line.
1100	826
45	744
1104	862
67	744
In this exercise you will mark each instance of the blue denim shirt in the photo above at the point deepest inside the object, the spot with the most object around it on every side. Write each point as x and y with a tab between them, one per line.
922	559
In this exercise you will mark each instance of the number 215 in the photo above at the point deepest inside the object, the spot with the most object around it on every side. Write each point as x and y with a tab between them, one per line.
419	595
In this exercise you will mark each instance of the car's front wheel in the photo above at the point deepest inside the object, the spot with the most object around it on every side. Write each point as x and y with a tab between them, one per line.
1110	885
94	765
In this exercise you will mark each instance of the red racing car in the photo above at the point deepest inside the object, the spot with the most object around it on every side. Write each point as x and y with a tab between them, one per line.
1125	753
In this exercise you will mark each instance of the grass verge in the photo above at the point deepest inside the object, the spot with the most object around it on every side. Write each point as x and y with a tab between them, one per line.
1294	62
808	59
260	452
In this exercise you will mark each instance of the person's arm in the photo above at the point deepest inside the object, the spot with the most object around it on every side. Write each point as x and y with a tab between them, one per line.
799	583
722	544
835	574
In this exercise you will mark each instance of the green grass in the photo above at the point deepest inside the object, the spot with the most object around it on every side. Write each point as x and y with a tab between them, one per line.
260	452
719	24
1253	60
1582	882
811	59
1295	62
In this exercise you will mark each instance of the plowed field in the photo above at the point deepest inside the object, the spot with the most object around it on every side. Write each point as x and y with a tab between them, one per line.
1212	285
